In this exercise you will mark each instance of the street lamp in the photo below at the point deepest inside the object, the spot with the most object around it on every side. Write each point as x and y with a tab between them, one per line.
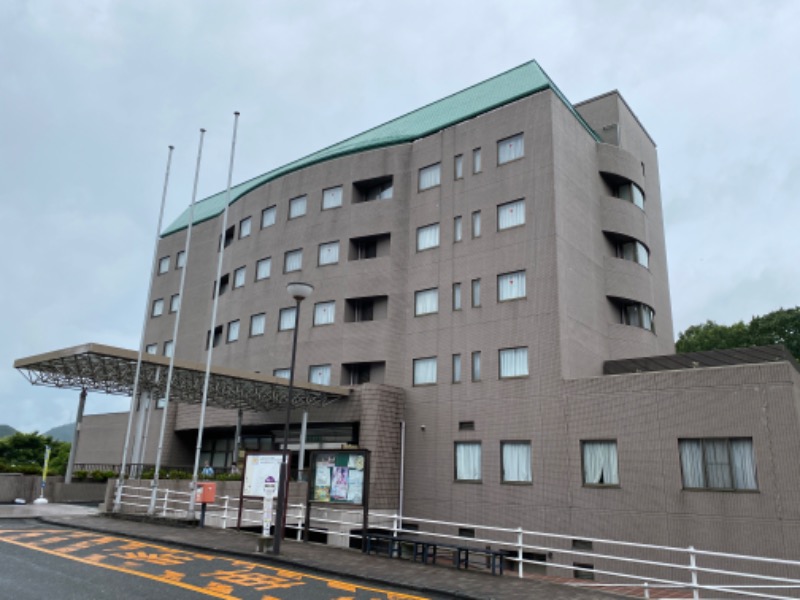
298	291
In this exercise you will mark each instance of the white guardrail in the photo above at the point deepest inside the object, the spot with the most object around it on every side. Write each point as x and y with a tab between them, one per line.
723	575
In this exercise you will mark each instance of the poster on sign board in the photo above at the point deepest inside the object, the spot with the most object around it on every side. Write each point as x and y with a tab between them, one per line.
338	476
259	468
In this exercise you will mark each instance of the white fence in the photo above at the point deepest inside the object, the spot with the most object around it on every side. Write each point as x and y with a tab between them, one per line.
635	566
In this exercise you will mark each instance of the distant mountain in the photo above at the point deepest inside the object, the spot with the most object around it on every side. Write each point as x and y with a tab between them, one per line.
62	433
6	430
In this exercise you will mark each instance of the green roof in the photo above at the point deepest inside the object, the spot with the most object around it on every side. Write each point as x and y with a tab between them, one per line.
505	88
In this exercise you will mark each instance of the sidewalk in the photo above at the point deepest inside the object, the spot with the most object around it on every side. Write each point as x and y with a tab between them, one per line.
332	561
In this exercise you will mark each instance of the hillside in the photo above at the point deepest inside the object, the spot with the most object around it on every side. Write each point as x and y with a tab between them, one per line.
6	430
62	433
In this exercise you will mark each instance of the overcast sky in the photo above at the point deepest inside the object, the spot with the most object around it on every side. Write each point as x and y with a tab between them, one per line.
94	91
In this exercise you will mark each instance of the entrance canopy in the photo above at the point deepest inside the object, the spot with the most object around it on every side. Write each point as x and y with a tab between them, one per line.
111	370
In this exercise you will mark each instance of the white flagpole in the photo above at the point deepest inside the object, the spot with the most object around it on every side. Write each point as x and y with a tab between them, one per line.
186	250
135	393
213	320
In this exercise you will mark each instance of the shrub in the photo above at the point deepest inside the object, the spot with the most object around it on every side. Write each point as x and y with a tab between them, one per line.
176	474
79	475
228	477
103	475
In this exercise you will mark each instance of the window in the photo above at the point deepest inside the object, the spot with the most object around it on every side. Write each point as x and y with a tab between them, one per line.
600	463
233	331
476	160
224	281
329	253
332	198
163	265
458	166
637	315
456	368
516	457
476	293
258	324
239	276
180	259
324	313
370	246
217	336
511	286
288	317
245	226
426	302
297	207
466	425
457	229
456	296
169	348
293	261
718	464
635	251
319	374
425	371
631	192
268	217
476	224
468	461
175	303
263	268
510	149
513	362
511	214
282	373
430	176
151	349
227	239
476	366
158	308
427	237
369	190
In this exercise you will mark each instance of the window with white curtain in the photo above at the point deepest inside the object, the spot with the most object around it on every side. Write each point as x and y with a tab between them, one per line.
332	198
151	349
263	268
510	149
163	265
430	176
476	224
637	314
718	464
456	296
169	348
297	207
513	362
293	261
282	373
476	160
424	371
511	214
258	324
287	319
458	166
233	331
324	313
245	225
268	217
239	276
329	253
476	366
476	293
635	251
158	308
457	229
175	303
600	463
468	461
631	192
426	302
511	286
319	374
516	457
456	368
428	237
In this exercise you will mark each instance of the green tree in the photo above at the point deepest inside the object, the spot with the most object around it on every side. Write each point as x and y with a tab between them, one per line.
28	449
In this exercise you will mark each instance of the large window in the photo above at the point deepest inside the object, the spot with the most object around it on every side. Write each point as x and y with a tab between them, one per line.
428	237
510	149
425	371
458	229
430	176
258	324
718	464
163	265
468	461
320	374
476	224
324	313
630	192
458	166
268	217
635	251
263	268
332	198
513	362
297	207
511	286
287	319
233	331
516	457
637	314
476	160
180	259
456	368
476	366
158	308
426	302
151	349
511	214
329	253
245	225
175	303
600	463
293	261
456	296
476	293
169	348
239	276
282	373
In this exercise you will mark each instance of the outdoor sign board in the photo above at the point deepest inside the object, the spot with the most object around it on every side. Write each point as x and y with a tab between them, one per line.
261	478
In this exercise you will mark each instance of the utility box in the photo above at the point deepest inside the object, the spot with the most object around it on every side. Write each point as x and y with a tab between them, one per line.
206	492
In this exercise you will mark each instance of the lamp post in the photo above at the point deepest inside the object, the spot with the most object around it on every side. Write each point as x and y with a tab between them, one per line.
298	291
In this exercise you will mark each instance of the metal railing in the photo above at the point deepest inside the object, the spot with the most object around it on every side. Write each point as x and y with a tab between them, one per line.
634	566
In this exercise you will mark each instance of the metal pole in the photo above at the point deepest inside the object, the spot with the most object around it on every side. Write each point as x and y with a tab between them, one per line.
207	376
693	567
283	489
135	392
237	439
402	469
73	451
301	460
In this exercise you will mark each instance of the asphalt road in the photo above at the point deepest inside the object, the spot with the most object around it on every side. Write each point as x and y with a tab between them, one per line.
38	561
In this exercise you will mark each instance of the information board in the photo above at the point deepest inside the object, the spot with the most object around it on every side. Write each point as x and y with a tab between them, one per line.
338	476
258	469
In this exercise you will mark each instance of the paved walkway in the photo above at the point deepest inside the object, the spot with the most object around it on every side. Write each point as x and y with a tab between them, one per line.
438	579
